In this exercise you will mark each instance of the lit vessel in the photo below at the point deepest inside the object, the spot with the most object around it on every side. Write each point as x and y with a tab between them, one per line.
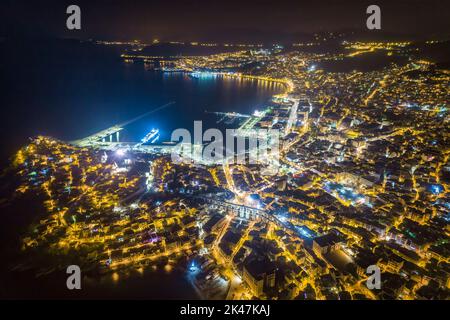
202	74
152	136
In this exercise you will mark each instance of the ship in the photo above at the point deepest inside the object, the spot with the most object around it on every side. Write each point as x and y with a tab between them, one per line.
202	74
194	75
152	136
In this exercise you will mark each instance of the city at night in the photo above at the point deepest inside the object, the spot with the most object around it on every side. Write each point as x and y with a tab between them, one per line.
225	156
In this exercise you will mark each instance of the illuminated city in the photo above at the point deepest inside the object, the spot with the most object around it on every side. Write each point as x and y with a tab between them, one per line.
361	179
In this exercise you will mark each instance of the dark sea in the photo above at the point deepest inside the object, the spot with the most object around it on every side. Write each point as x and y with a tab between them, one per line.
69	89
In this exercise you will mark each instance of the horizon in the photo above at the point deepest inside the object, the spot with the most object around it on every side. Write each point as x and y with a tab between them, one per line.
250	21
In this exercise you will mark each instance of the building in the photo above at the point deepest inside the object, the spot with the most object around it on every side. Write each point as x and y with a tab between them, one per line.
214	223
326	243
259	274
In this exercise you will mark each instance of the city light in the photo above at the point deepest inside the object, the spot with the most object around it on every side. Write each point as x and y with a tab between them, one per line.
120	152
358	177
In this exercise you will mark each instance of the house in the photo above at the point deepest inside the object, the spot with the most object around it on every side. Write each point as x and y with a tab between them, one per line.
326	243
259	274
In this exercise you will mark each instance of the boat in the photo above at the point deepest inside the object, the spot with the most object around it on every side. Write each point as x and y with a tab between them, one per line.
151	136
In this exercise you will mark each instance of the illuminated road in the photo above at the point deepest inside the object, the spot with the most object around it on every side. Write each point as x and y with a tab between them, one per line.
142	257
292	117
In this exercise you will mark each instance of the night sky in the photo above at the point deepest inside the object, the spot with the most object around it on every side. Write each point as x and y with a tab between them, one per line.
220	20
